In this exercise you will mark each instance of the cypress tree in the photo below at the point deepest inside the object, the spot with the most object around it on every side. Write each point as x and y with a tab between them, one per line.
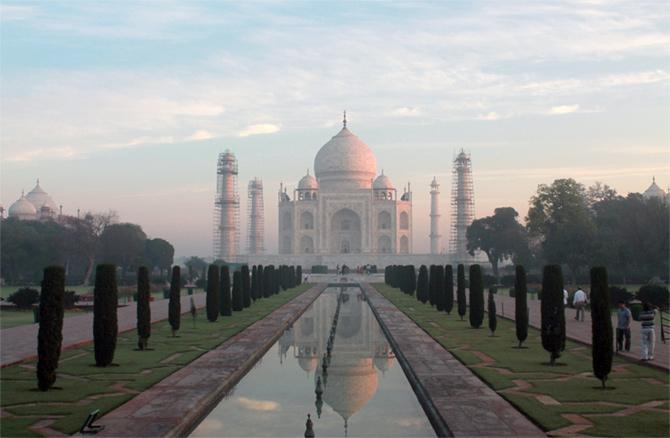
213	292
292	278
174	306
143	308
260	272
238	301
422	285
448	289
298	275
267	281
553	313
254	282
50	335
432	299
493	320
387	275
440	297
601	325
521	304
225	301
105	323
246	286
460	291
411	280
476	296
276	282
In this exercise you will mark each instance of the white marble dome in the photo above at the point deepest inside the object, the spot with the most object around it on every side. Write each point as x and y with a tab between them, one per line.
382	182
39	198
654	191
308	182
23	209
345	162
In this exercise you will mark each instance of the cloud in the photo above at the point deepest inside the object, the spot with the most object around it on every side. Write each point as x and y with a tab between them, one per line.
405	111
258	405
262	128
200	134
564	109
43	154
489	116
16	12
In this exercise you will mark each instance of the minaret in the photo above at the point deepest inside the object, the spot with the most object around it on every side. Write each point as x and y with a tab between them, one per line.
226	208
462	205
256	223
435	217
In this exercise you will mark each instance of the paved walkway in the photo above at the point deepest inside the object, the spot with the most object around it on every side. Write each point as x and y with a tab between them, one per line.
20	343
175	405
580	331
452	390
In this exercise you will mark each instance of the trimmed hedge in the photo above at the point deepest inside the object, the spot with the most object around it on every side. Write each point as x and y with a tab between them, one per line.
521	305
143	308
174	306
50	335
460	290
105	322
448	289
213	293
476	296
553	313
225	301
601	325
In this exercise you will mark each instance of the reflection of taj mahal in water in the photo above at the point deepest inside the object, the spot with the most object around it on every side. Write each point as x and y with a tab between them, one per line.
359	353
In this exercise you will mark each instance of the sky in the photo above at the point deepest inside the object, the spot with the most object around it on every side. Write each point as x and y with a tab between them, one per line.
125	105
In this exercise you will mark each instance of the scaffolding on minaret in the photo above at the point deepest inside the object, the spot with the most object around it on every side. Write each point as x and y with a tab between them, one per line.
226	209
256	217
462	205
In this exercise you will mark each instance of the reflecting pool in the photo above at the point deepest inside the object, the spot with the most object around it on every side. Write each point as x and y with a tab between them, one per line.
362	391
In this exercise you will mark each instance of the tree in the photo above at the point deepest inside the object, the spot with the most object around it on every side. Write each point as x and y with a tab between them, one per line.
195	264
213	291
493	318
87	232
476	296
254	282
225	301
410	271
50	335
499	236
436	286
422	285
246	286
460	290
261	278
601	325
105	323
122	244
298	275
143	308
159	253
560	218
553	313
448	289
267	281
521	304
238	301
174	306
432	286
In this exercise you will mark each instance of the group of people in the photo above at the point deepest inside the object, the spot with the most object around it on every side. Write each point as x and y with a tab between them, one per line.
624	319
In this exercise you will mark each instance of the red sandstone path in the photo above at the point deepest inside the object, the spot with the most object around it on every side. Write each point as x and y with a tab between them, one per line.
581	330
20	343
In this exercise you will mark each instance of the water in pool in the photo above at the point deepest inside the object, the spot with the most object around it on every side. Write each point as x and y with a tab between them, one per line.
363	391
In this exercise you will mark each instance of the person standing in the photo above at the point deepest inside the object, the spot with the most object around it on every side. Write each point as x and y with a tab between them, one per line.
565	298
647	317
624	318
579	302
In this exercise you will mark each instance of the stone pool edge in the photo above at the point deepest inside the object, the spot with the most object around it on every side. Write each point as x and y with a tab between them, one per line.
177	404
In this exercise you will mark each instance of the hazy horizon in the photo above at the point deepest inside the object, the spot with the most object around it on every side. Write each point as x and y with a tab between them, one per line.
127	107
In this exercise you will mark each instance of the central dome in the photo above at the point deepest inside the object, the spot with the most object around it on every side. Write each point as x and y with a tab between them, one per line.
345	162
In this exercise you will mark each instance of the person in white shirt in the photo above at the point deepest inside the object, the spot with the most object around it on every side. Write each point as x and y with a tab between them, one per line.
579	302
565	298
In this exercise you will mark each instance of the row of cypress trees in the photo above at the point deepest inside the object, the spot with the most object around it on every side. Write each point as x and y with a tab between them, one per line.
435	285
247	286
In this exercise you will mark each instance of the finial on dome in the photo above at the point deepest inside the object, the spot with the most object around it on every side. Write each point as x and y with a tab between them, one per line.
344	119
308	171
23	193
653	179
38	181
382	171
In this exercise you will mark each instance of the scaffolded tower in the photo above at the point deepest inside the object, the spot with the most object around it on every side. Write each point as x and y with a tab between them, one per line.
256	224
226	208
462	205
435	235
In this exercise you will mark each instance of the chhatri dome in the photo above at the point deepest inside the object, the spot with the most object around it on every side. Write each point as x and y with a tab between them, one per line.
39	198
382	182
654	191
308	182
345	161
23	209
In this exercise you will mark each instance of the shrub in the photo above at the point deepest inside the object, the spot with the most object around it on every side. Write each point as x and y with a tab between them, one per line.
553	313
143	308
238	301
213	293
476	296
507	280
50	335
619	294
246	286
225	300
174	306
601	325
520	305
448	289
24	298
422	285
654	294
105	324
489	280
493	321
460	290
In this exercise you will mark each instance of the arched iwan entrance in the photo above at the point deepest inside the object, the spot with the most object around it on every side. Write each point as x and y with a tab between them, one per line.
345	232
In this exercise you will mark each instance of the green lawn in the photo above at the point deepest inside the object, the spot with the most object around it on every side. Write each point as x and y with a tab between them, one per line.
85	387
13	318
571	383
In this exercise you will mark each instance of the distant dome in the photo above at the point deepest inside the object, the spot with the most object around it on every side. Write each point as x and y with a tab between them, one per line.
308	182
382	182
23	209
345	162
654	191
39	198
